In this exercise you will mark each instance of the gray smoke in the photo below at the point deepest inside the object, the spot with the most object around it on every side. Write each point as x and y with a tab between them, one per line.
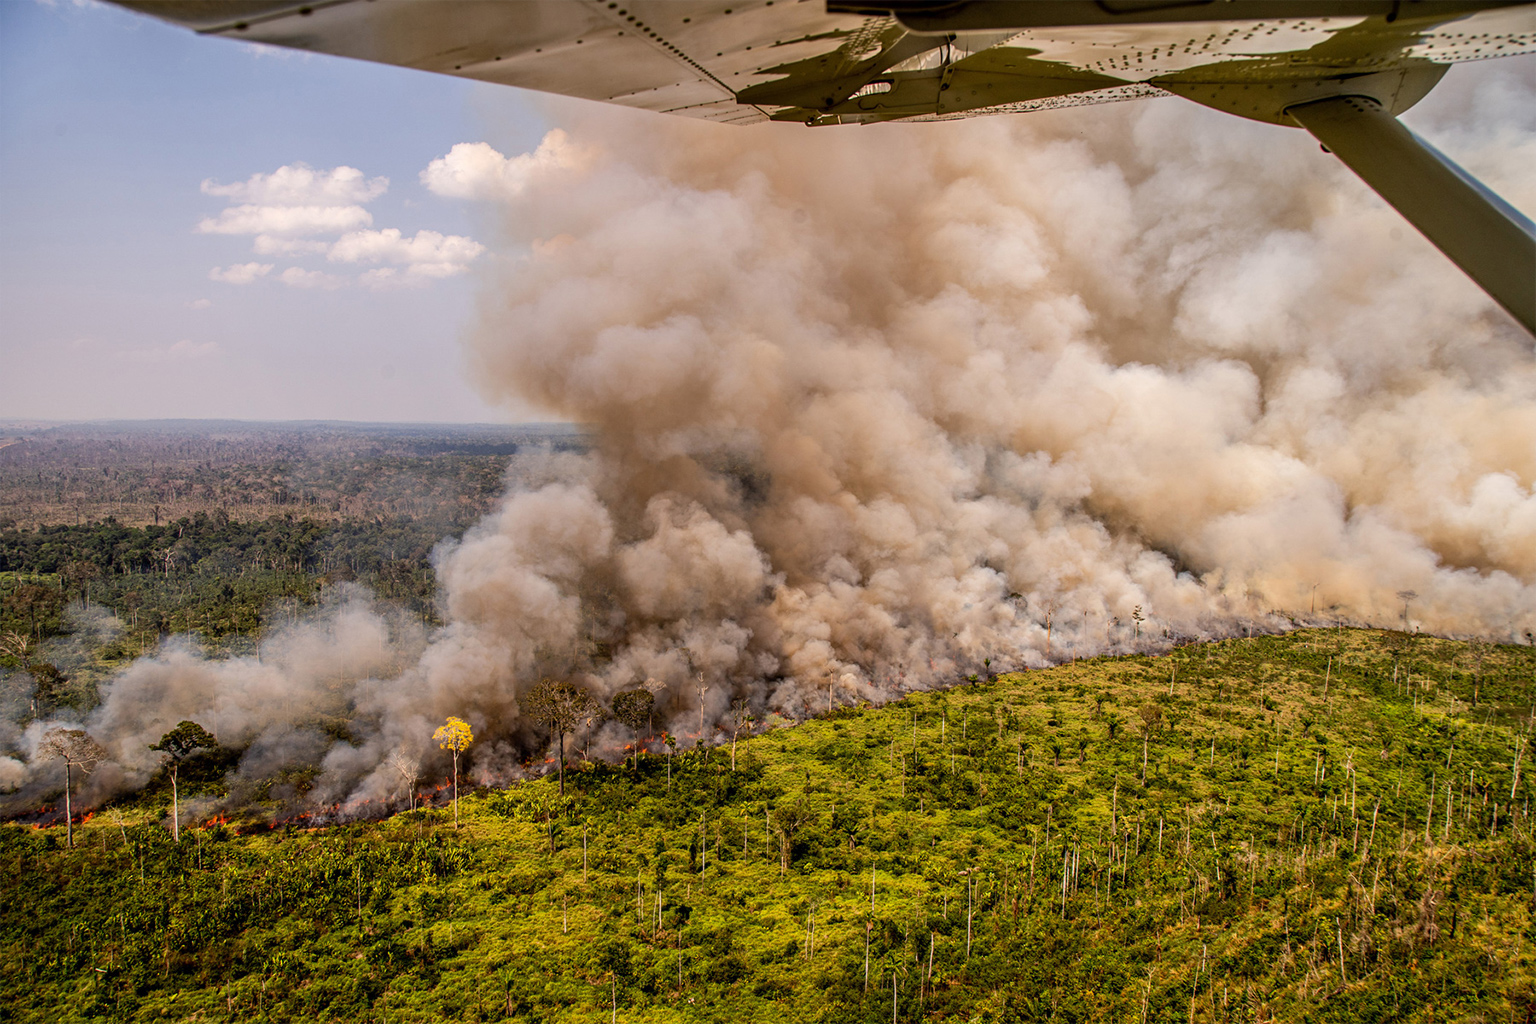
872	406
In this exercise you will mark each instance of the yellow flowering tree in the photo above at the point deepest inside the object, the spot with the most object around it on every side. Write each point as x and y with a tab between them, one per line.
454	735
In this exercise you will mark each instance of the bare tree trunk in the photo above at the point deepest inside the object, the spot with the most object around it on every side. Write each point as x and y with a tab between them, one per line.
69	817
562	762
968	918
455	788
175	807
1519	746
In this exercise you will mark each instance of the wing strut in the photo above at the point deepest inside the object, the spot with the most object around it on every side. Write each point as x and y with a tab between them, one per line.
1482	234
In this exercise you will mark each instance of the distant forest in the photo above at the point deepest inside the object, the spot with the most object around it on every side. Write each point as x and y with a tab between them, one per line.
220	530
148	474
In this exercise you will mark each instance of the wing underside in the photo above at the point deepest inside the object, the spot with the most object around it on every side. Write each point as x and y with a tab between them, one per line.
851	62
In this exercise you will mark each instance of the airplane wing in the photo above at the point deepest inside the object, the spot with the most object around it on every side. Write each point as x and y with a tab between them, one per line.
828	62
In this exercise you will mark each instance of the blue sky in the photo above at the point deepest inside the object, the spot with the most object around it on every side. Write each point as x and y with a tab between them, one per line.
109	124
126	145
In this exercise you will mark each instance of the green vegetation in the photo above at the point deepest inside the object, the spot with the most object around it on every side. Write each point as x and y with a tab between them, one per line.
207	573
222	530
223	580
1323	826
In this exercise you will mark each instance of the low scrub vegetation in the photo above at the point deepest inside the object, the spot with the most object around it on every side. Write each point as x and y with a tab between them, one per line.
1331	825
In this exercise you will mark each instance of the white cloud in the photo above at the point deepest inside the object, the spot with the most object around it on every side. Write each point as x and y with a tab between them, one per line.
435	270
385	277
199	303
427	253
177	351
261	50
287	209
285	220
301	185
298	277
473	170
414	276
240	273
271	245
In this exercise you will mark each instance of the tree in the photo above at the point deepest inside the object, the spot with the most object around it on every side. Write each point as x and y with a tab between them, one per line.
15	645
78	750
741	721
48	693
633	708
409	769
454	735
788	821
559	705
1478	651
77	576
850	822
33	600
1151	717
175	747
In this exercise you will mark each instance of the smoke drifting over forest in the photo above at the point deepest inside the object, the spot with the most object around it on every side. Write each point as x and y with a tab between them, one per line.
874	405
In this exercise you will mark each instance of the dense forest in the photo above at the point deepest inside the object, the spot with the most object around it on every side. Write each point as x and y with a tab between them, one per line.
1331	825
120	590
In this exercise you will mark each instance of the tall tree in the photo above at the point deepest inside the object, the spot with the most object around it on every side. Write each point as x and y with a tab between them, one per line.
48	692
77	576
559	705
34	601
741	721
1478	651
788	821
175	747
454	735
78	750
408	768
1151	718
633	708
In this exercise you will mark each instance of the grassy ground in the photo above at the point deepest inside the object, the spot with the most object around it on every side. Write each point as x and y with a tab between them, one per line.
1328	829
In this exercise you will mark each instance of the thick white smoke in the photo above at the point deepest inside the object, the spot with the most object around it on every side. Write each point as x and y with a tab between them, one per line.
872	406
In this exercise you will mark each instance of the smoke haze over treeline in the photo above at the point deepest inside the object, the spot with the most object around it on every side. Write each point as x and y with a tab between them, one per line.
874	406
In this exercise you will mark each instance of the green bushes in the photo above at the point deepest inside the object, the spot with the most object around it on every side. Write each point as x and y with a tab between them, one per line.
1222	888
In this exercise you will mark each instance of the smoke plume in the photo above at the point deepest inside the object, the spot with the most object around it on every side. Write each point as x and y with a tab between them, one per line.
875	407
